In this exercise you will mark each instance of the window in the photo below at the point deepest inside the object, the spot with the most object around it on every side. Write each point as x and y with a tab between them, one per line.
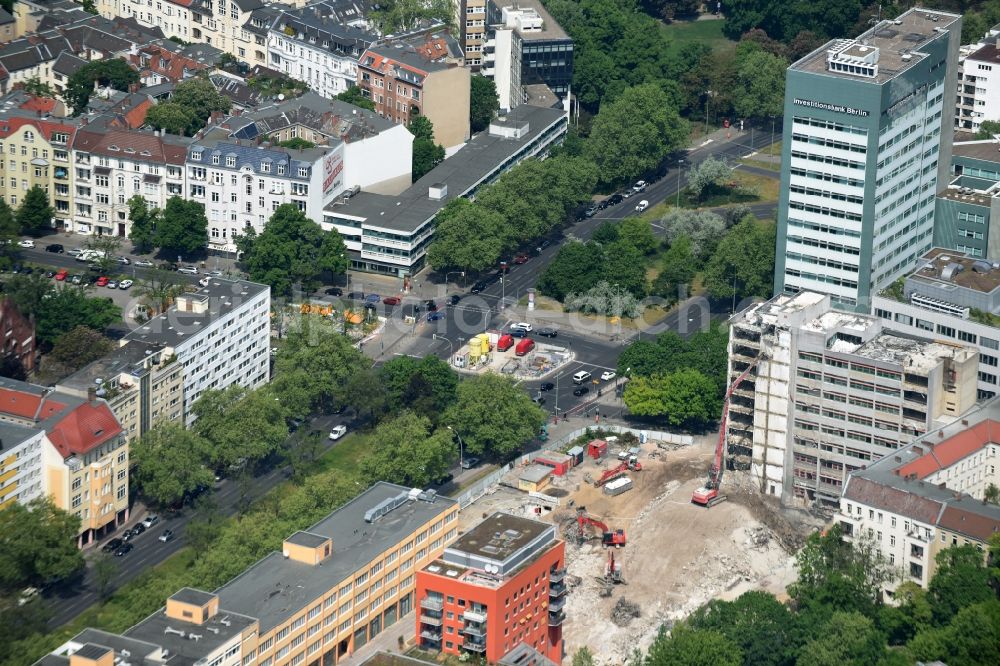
231	161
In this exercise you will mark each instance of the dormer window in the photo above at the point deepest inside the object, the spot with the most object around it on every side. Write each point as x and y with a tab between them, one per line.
215	159
114	148
303	172
231	161
281	169
196	156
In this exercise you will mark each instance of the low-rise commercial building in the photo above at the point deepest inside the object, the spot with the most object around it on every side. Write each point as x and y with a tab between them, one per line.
69	448
219	335
928	496
419	74
330	590
498	586
390	234
832	392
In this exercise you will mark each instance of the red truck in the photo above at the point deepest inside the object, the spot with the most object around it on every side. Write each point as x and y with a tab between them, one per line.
505	342
524	346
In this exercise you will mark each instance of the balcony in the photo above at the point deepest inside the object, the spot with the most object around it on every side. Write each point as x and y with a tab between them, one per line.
430	620
474	630
471	615
557	590
556	619
432	603
557	576
474	645
557	605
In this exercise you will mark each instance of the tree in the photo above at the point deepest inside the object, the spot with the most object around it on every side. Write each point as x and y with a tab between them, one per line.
34	216
37	544
988	129
397	16
314	367
403	450
633	134
115	73
637	233
89	6
761	84
484	102
467	236
364	393
143	231
704	228
744	258
784	20
169	464
76	348
755	622
583	657
847	639
182	228
28	291
173	118
678	267
105	570
296	143
605	299
492	415
992	494
34	86
685	646
912	614
427	386
353	95
158	289
625	266
606	233
706	176
293	250
961	579
107	247
242	426
426	153
198	99
571	270
9	232
971	638
64	309
685	397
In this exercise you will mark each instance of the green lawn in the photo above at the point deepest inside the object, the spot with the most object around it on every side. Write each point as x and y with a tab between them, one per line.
709	32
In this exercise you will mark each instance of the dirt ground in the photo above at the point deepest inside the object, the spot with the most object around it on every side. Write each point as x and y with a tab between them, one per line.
678	555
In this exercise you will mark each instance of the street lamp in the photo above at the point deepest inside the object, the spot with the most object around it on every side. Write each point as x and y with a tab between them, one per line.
770	149
708	96
680	168
451	347
461	445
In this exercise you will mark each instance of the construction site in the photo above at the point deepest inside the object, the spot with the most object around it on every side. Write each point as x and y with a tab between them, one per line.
640	552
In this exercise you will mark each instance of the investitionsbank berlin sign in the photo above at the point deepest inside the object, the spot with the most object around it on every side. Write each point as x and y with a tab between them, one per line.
826	106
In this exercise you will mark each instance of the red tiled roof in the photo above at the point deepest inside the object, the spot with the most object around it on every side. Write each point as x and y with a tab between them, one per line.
84	428
893	500
949	451
45	127
43	104
969	523
158	151
26	405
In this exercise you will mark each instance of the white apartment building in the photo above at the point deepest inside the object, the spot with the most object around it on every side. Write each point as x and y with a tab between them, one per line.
21	471
113	165
866	123
242	185
978	94
173	17
312	47
220	334
502	63
927	496
831	393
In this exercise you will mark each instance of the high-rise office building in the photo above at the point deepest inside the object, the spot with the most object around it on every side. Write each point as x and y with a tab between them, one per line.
867	134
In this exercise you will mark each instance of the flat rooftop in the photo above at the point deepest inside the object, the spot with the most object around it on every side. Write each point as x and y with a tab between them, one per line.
834	320
973	198
139	650
462	172
499	537
175	326
949	267
914	355
127	358
894	45
550	28
189	643
276	588
13	435
987	150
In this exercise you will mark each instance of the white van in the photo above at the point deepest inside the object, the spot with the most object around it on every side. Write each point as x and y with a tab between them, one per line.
581	377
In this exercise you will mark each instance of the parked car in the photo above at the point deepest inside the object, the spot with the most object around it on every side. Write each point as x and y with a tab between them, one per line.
607	376
627	193
215	273
469	463
547	332
521	258
75	252
62	275
546	386
518	333
334	291
102	281
125	261
523	325
615	199
640	186
435	316
591	210
112	284
543	245
454	299
142	263
76	279
167	535
50	274
641	206
55	247
112	545
505	342
524	346
431	306
372	298
125	284
338	431
581	377
150	520
356	296
187	270
124	549
27	242
581	390
391	300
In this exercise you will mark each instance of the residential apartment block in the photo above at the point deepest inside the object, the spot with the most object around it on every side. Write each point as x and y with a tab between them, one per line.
545	49
69	448
310	46
954	298
390	234
113	165
928	496
470	17
219	335
833	392
36	152
498	586
967	211
419	74
977	95
330	590
242	185
867	132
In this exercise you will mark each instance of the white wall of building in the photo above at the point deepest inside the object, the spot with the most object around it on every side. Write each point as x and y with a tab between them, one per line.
381	164
27	461
327	74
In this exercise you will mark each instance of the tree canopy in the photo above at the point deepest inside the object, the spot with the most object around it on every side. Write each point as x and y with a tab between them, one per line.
404	450
484	102
190	106
34	215
427	386
168	464
353	95
426	153
113	72
291	251
37	544
242	426
744	257
182	229
493	415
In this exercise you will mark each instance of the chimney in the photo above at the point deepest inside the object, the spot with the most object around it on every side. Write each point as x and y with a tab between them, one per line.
91	394
83	122
133	87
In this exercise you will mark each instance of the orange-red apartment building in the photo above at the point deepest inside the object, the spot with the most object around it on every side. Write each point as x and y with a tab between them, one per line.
496	587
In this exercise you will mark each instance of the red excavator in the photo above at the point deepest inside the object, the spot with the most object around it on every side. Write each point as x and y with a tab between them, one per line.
609	537
613	570
630	465
708	495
